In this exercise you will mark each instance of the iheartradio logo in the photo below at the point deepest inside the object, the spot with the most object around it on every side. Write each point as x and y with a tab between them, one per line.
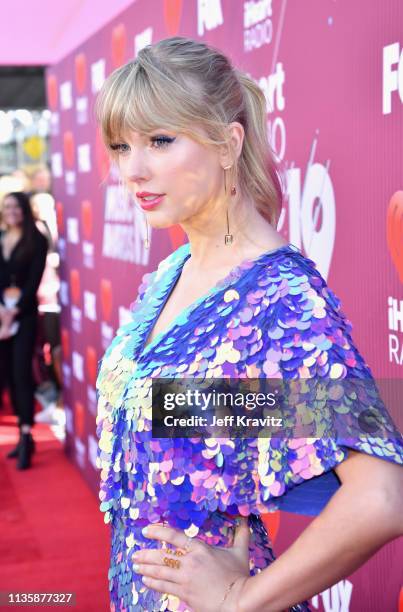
172	16
75	286
68	148
91	364
119	40
60	217
80	69
106	299
51	87
86	218
79	419
65	337
394	231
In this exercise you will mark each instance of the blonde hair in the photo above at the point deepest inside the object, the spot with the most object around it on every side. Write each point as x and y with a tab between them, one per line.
178	83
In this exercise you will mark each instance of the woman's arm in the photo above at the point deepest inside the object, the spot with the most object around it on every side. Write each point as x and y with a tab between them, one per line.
37	266
364	514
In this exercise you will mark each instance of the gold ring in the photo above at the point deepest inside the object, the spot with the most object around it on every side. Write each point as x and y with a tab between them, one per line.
177	553
174	563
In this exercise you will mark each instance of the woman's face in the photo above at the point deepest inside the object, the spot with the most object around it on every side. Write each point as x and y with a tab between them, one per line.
187	176
11	212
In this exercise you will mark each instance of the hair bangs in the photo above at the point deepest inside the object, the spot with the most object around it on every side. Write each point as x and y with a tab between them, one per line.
132	101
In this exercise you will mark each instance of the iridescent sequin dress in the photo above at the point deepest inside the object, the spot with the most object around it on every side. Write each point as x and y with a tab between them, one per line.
272	316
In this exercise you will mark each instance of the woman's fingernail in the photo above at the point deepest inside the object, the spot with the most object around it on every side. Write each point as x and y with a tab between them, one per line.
144	579
136	567
144	531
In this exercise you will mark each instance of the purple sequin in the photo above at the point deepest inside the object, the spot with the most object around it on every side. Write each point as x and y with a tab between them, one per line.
270	317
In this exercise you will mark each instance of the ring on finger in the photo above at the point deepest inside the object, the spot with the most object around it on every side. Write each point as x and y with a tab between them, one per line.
174	563
177	553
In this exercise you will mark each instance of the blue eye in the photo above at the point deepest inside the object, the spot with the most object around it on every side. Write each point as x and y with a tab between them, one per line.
161	141
120	147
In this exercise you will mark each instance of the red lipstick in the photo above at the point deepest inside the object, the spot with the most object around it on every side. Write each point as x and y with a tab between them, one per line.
148	200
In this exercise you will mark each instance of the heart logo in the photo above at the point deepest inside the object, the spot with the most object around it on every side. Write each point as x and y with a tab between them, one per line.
394	231
177	236
86	218
65	337
91	361
80	65
51	87
102	157
68	148
172	16
75	286
60	217
118	45
79	419
106	299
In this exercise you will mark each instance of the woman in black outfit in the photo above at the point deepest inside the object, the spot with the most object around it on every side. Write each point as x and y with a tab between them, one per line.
23	252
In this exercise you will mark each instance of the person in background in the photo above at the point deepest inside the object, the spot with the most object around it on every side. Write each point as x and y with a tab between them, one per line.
23	250
48	362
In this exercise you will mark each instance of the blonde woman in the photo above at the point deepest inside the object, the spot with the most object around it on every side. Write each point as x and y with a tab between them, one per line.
188	132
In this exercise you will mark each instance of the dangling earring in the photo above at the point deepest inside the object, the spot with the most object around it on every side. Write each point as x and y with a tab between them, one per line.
127	193
228	238
122	189
147	238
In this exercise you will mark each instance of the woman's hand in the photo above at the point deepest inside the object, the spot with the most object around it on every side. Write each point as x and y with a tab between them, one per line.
7	315
197	573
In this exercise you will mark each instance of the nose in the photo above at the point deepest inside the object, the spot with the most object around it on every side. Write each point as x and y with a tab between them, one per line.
135	168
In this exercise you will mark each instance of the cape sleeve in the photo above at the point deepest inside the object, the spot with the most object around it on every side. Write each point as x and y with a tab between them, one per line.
335	390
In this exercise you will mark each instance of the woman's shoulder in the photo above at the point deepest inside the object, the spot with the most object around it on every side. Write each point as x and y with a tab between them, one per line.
41	240
299	295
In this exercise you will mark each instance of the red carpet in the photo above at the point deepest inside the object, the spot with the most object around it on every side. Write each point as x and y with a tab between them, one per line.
52	535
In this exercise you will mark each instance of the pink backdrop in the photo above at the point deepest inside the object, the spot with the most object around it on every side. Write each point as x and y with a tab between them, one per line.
43	32
330	73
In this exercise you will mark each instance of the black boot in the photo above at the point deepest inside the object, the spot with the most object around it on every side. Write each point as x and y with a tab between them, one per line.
25	451
13	454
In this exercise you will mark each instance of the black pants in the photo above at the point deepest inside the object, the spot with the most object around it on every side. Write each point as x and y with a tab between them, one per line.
16	355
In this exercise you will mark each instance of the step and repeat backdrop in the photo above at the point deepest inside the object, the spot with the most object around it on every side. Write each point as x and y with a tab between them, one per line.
332	74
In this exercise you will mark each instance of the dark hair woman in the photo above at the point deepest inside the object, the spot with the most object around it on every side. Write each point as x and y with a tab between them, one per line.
22	260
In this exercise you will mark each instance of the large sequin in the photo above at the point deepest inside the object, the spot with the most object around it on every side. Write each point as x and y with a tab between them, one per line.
271	317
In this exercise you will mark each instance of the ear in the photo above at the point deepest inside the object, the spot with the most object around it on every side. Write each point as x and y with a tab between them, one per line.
229	154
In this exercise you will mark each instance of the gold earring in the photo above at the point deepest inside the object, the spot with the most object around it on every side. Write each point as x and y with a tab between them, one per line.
147	238
122	189
228	238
